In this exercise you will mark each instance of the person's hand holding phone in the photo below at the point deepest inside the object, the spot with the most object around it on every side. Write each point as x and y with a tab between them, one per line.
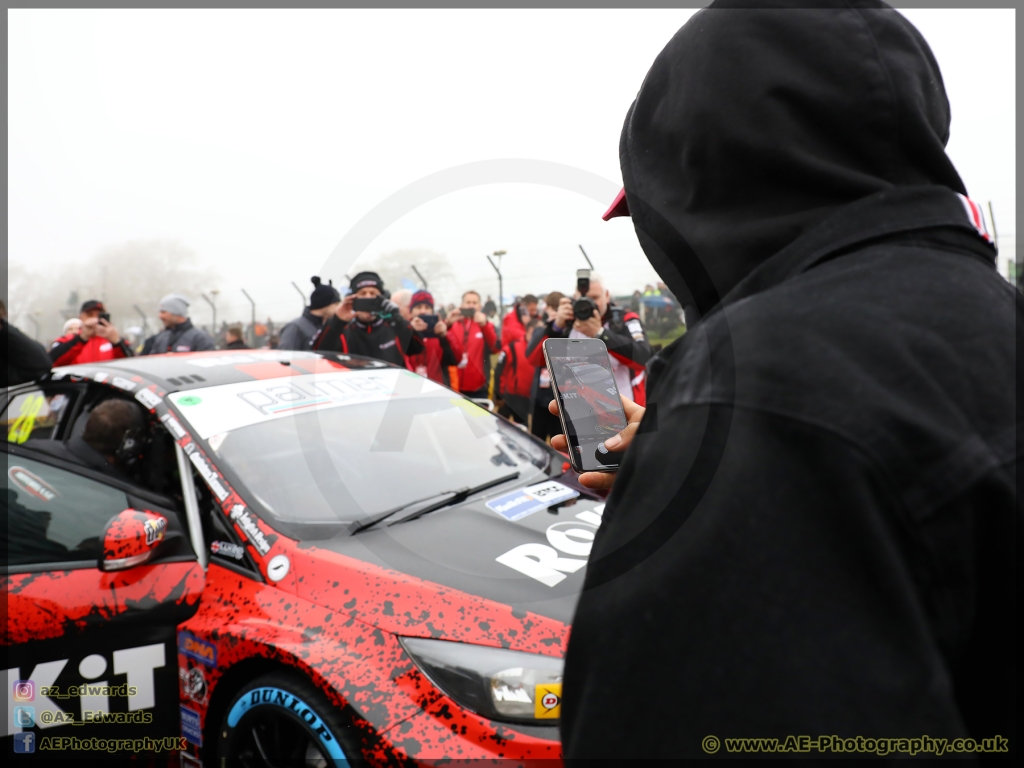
417	324
107	331
600	481
344	311
441	329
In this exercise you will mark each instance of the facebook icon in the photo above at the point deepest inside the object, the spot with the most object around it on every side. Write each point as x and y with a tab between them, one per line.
25	743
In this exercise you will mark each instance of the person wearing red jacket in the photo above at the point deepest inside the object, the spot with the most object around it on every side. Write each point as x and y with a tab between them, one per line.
440	349
516	380
620	330
478	340
96	340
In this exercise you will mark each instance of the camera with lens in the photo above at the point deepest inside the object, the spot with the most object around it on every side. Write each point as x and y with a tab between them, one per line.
583	308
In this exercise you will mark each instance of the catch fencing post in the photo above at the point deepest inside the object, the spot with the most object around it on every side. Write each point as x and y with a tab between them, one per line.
252	327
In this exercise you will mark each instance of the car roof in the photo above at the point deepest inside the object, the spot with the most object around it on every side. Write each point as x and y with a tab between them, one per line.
179	371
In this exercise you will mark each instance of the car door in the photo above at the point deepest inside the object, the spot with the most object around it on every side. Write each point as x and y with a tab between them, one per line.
91	652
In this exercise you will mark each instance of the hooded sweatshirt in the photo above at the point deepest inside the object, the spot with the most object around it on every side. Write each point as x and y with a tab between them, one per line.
813	532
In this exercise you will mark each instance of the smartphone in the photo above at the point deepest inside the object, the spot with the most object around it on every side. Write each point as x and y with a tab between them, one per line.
431	321
589	405
367	305
105	317
468	312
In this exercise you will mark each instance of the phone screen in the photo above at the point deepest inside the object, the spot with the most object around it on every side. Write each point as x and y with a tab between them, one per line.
588	400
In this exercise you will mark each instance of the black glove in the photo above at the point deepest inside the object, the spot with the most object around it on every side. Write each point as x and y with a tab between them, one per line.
388	307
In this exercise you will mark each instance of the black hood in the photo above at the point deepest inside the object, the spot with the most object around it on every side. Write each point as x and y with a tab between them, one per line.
757	122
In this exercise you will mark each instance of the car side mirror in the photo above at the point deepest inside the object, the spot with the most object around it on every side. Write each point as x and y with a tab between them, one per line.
131	538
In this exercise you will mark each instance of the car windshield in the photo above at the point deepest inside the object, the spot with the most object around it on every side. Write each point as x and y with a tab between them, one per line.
321	453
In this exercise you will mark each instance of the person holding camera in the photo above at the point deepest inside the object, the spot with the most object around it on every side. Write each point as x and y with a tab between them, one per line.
478	339
593	314
95	340
440	350
368	323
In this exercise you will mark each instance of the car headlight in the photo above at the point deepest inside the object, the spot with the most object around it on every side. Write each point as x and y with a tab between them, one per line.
509	686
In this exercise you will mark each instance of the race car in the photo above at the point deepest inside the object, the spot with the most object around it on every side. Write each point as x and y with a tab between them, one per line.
292	558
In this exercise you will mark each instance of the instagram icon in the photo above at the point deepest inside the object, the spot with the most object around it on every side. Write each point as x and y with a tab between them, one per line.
24	690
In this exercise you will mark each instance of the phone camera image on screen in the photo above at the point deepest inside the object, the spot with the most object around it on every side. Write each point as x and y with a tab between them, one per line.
588	400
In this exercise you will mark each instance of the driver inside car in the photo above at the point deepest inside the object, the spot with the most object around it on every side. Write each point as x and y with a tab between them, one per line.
111	441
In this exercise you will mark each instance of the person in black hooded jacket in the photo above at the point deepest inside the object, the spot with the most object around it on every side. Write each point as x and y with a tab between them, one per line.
814	527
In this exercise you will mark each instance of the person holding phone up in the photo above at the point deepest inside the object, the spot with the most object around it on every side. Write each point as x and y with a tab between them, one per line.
97	339
368	323
478	339
440	349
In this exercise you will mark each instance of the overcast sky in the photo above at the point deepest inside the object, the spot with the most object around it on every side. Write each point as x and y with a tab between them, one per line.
259	138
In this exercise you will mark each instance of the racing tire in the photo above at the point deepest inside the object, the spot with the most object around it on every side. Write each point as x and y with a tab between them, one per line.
283	720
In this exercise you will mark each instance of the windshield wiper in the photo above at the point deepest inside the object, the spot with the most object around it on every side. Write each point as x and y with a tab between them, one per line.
451	497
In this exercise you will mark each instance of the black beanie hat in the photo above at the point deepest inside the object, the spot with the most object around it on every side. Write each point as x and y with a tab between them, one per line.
365	279
323	295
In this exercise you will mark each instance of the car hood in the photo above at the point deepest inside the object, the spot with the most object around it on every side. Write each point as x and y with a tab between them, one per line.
534	564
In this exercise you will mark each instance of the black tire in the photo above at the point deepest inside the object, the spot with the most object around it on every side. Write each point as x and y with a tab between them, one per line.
281	720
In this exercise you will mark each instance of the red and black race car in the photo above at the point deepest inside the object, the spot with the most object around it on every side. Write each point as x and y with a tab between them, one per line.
296	558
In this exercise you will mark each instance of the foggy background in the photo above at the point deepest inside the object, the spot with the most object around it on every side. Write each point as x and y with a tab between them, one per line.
152	151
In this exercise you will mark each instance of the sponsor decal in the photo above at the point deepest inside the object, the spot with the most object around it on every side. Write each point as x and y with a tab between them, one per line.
101	376
106	346
148	398
216	440
191	726
278	567
525	501
137	664
227	407
227	549
32	484
275	697
183	348
122	383
155	528
547	701
172	424
193	684
388	344
197	648
548	564
247	522
208	475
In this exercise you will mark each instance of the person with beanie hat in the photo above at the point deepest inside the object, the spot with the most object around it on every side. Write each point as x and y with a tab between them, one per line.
440	350
323	302
381	333
814	528
95	339
178	335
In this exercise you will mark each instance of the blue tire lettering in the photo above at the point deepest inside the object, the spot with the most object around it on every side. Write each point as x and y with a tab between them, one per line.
286	700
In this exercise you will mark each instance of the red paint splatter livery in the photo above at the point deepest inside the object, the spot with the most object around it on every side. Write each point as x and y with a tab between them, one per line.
333	619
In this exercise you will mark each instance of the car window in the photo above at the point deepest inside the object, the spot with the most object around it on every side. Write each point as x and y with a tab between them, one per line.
50	515
34	414
339	448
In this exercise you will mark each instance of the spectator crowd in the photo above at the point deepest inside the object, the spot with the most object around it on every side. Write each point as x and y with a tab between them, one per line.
467	346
